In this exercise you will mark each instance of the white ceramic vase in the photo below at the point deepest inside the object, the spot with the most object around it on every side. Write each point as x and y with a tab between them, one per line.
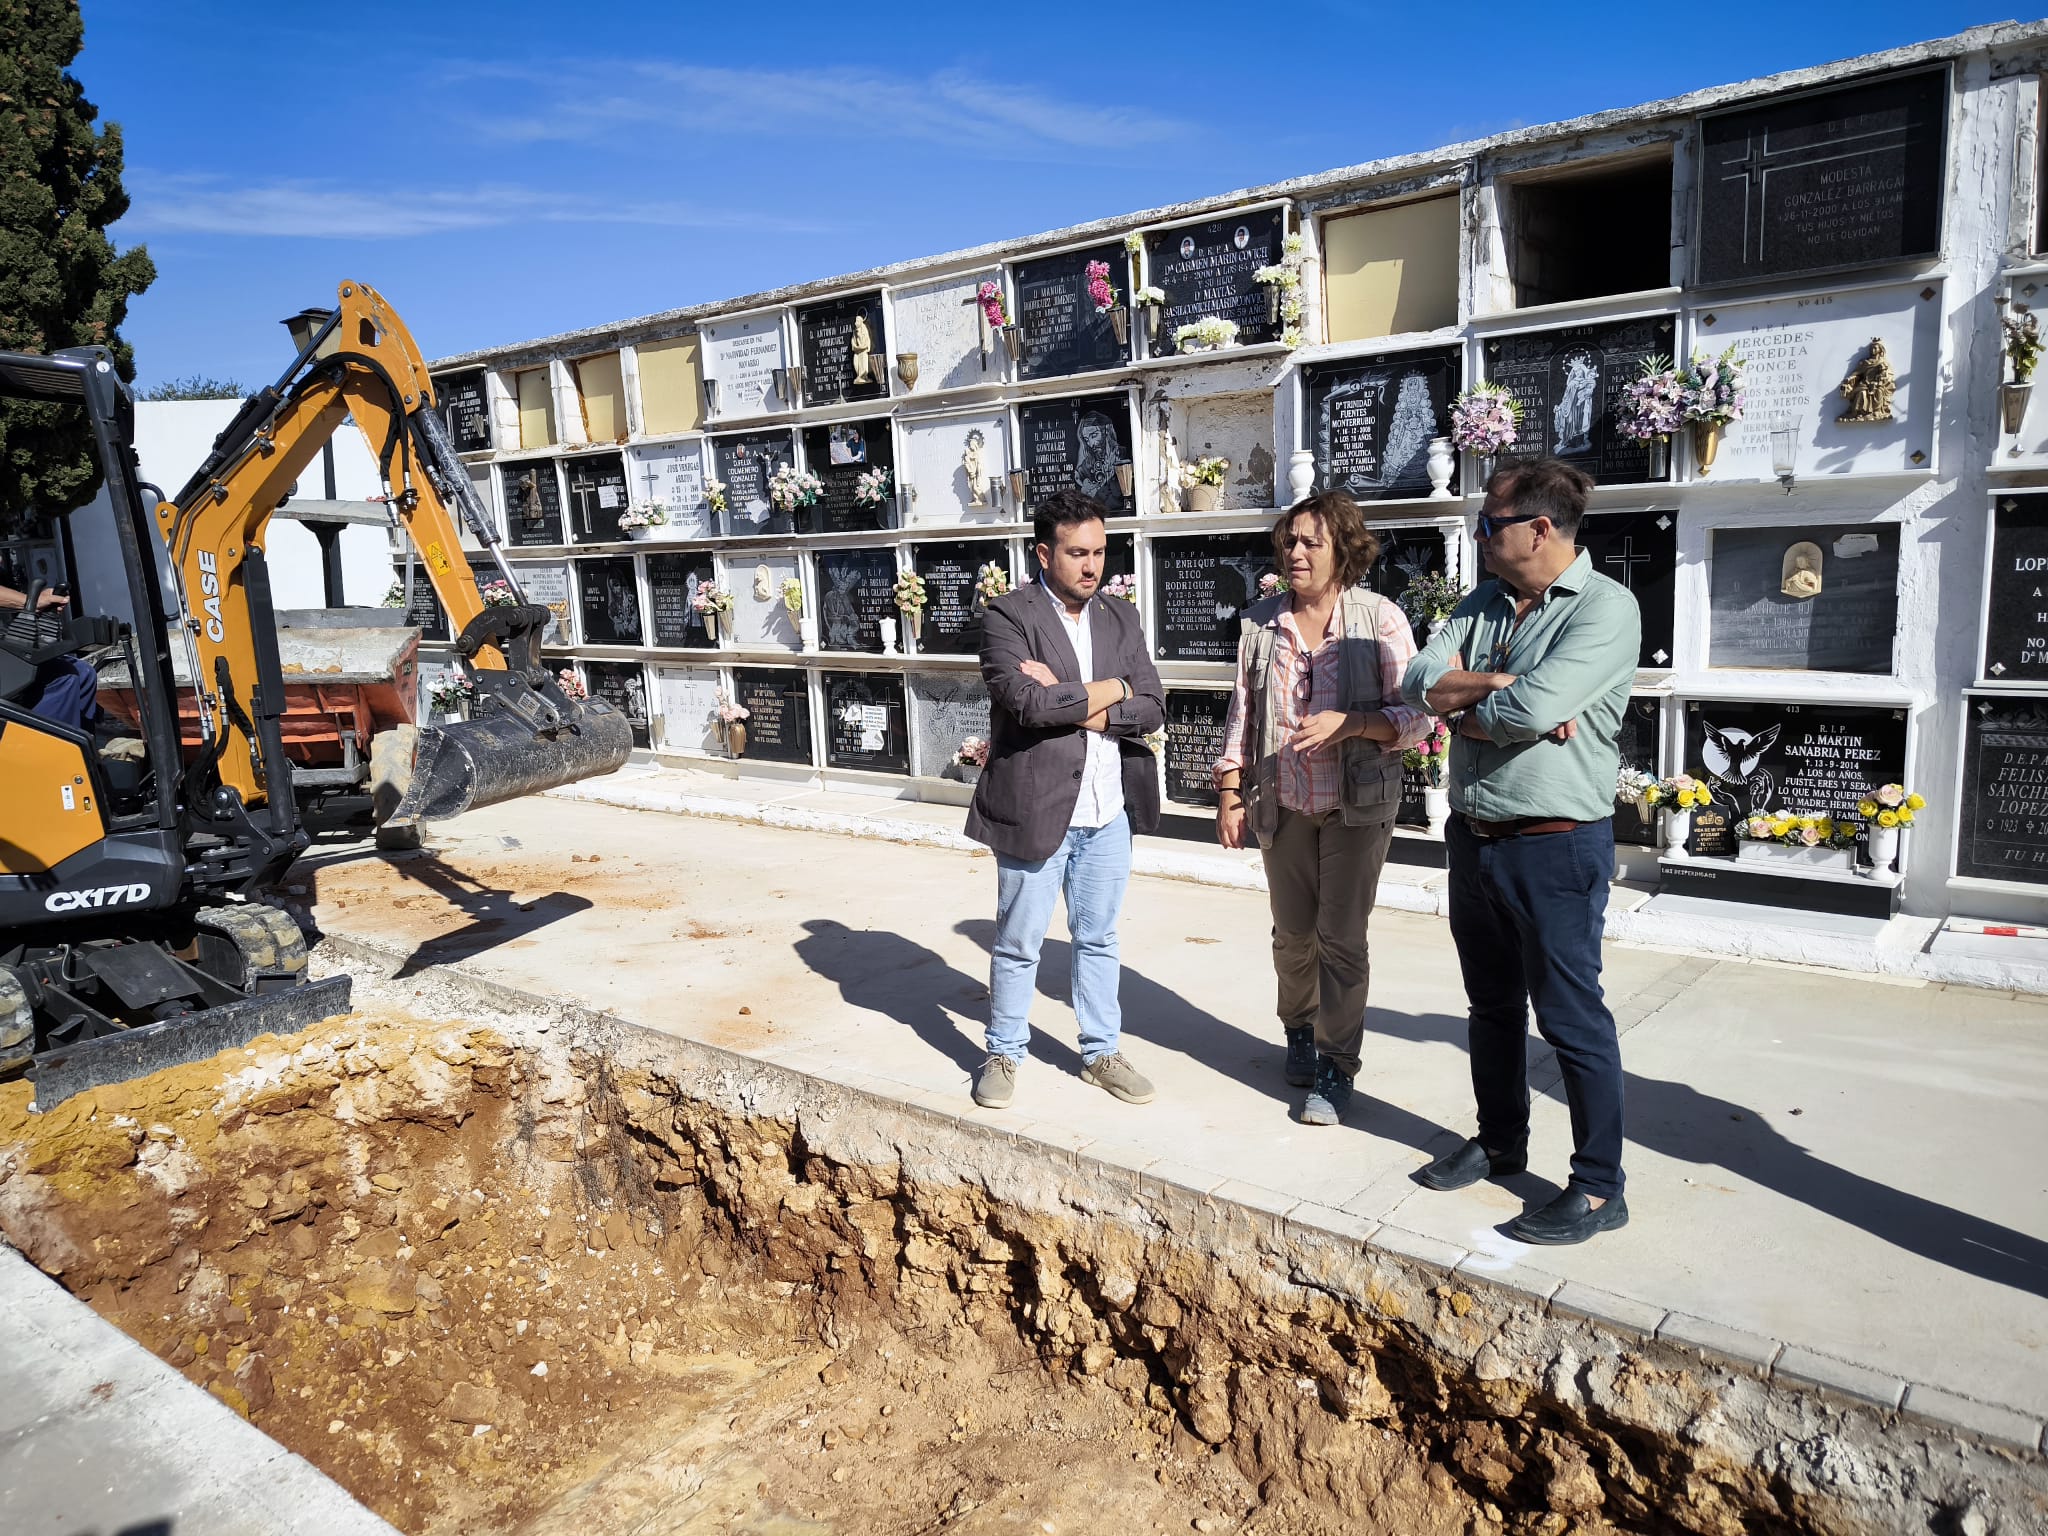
1436	805
1301	474
1442	462
1677	828
1883	843
888	629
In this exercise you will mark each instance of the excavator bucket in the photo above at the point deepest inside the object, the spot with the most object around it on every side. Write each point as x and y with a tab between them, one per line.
445	770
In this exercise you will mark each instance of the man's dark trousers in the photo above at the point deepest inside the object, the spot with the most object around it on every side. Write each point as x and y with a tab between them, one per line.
1540	899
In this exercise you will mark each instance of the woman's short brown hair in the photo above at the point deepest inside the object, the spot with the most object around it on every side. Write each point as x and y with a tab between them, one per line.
1355	545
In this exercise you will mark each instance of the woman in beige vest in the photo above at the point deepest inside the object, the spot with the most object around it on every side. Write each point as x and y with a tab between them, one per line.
1311	768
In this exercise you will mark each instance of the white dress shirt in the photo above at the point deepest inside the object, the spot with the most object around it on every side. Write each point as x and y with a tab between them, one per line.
1101	799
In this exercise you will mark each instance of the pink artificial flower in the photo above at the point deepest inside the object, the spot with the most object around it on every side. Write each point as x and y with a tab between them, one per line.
1890	795
1809	836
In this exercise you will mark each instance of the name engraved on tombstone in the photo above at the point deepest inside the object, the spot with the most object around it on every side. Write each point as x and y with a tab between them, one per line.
857	591
950	707
1206	269
423	608
465	407
598	495
1201	586
865	722
686	702
1370	423
2016	602
611	601
1062	332
1640	550
1817	598
846	354
672	474
952	617
623	685
549	587
1077	444
1848	176
745	462
839	455
778	702
533	502
1194	740
1803	759
1568	382
2003	828
742	356
672	583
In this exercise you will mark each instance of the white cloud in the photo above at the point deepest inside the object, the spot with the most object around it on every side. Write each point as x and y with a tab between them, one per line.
320	210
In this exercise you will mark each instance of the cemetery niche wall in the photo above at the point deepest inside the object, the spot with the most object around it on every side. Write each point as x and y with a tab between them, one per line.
953	606
686	705
423	605
671	476
956	467
2016	592
1640	741
845	350
1820	598
1077	444
532	499
856	591
839	455
1206	271
597	496
1640	550
948	707
548	585
2002	831
673	582
1369	423
1195	719
465	405
1568	380
865	722
611	601
742	360
760	619
1063	332
746	461
778	705
623	685
1200	589
1406	556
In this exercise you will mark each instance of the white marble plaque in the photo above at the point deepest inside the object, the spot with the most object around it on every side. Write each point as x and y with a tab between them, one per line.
935	467
673	474
743	356
939	322
1799	351
759	619
947	707
686	699
547	583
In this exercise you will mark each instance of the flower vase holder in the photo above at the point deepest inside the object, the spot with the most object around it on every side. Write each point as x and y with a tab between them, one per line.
640	535
1120	323
1204	498
1882	844
711	627
1301	474
913	627
1677	829
1436	806
887	628
807	633
2012	404
1706	444
1013	343
1443	463
1660	458
1152	312
736	738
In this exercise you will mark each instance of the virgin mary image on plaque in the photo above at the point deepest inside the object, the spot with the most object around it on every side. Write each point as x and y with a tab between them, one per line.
1801	572
1572	417
1095	467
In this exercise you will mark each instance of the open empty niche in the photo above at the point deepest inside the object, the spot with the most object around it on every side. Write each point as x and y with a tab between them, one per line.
1388	271
536	408
1580	234
601	386
671	395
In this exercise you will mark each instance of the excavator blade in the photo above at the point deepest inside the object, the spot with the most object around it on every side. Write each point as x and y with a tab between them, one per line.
469	764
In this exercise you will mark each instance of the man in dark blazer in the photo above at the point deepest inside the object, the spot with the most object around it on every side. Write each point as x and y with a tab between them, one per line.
1072	695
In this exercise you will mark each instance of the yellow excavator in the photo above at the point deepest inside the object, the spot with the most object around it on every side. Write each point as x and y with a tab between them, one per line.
130	850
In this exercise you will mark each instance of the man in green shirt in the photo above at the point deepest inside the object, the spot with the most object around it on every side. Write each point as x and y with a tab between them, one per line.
1534	720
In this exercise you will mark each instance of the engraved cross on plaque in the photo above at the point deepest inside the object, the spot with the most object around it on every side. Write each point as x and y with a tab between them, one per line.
1628	560
583	490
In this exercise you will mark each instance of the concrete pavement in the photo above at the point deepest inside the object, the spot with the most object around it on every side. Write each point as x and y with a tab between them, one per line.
1842	1181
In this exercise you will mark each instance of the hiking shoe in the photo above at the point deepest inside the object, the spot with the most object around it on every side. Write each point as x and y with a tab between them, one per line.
1301	1058
1331	1097
997	1084
1114	1074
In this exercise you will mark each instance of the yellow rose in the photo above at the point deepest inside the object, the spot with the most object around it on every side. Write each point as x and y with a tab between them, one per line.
1887	818
1905	817
1826	826
1780	827
1866	808
1915	803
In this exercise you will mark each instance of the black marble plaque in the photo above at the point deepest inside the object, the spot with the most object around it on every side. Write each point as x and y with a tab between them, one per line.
1077	444
952	614
423	608
745	460
778	723
1412	811
839	455
856	589
611	601
2003	830
1838	178
623	685
1568	382
672	583
2016	603
1640	550
597	497
1406	556
830	332
533	502
466	409
865	722
1062	332
1199	586
1206	269
1370	422
1803	759
1119	556
1194	740
1755	621
1641	733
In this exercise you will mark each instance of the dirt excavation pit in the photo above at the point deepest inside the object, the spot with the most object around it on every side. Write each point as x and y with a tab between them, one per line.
539	1276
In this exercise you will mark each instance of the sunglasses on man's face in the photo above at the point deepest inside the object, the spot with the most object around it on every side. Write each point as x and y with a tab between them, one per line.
1487	524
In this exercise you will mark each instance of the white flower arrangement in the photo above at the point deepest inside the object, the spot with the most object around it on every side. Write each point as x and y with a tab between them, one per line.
1279	275
1134	242
714	494
992	581
1151	295
653	514
1208	470
1211	333
790	488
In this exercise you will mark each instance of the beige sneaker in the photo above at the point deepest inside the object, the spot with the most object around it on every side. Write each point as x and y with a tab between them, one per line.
1114	1074
997	1084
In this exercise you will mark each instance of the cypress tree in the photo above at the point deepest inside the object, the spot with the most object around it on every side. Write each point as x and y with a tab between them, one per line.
62	284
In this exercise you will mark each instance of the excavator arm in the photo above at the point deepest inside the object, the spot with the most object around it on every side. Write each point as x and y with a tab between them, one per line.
363	364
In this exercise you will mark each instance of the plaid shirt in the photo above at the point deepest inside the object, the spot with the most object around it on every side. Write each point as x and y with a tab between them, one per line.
1305	683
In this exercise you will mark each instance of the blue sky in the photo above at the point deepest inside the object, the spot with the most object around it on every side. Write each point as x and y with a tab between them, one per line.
506	171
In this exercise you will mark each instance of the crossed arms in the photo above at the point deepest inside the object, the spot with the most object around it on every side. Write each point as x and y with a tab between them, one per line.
1019	682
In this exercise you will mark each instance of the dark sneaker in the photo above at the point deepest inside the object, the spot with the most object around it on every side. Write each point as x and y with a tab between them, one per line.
1471	1163
1114	1074
997	1084
1301	1058
1570	1218
1332	1095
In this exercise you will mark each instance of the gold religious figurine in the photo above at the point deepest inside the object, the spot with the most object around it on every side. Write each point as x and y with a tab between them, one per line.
862	345
1800	574
1869	387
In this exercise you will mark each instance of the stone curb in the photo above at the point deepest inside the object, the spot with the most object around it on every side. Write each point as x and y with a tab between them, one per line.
1797	1367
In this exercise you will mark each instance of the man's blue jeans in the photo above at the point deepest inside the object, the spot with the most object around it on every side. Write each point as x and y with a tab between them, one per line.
1527	914
1091	867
